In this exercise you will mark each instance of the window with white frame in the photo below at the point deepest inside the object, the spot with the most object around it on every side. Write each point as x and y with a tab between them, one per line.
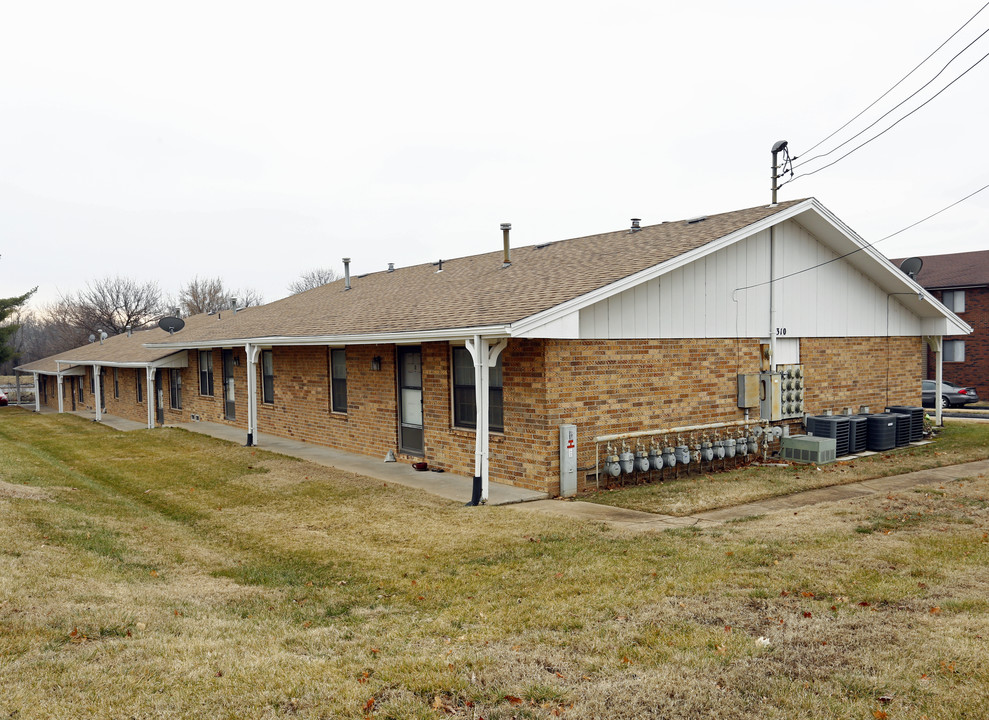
953	351
206	372
338	380
175	388
465	394
267	377
954	300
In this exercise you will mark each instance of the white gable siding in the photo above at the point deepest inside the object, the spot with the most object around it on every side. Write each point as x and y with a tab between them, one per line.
704	298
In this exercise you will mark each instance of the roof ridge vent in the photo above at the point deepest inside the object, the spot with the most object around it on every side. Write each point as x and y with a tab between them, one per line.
694	221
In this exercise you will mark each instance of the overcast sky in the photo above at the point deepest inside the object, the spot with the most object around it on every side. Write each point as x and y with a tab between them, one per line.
253	141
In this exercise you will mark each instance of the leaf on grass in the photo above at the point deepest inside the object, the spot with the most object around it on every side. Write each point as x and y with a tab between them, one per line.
369	704
806	614
879	715
512	700
935	610
807	594
154	573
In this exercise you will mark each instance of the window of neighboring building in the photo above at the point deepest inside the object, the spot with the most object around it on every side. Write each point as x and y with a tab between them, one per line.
139	386
206	372
954	351
338	381
954	300
465	395
175	388
267	377
116	384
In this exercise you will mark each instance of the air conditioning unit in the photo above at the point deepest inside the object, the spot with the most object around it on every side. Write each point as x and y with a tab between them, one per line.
808	449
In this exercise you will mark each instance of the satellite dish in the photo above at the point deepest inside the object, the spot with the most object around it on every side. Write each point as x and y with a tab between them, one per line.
92	338
912	266
103	335
171	324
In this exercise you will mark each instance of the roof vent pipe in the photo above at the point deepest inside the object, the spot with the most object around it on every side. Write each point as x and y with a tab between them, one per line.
635	224
505	227
346	273
129	331
233	304
391	267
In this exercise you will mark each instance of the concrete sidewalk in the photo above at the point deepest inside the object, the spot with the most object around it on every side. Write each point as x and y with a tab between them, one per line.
649	522
446	484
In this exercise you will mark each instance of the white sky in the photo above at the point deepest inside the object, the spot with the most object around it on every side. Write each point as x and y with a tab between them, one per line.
253	141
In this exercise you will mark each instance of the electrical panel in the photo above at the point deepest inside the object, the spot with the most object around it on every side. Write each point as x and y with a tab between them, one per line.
568	460
791	391
748	390
770	396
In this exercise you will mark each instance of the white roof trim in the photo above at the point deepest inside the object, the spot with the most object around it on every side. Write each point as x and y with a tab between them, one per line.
365	339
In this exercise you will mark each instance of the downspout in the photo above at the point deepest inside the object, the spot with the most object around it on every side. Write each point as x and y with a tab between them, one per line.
772	297
37	395
152	401
97	391
58	382
252	351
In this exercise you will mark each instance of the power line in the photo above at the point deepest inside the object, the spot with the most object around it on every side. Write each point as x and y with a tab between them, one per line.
899	81
900	104
862	145
867	245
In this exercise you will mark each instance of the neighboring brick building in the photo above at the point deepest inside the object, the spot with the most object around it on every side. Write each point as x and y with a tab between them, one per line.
961	282
641	329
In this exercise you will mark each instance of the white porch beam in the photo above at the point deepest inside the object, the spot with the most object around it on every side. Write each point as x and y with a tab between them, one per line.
97	390
61	402
152	397
253	353
37	394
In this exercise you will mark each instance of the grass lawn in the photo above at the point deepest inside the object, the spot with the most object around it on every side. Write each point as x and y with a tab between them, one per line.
694	492
163	574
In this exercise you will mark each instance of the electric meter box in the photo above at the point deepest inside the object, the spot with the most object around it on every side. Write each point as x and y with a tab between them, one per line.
771	396
568	460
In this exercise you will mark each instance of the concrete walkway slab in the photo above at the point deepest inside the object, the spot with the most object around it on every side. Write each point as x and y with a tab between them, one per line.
446	484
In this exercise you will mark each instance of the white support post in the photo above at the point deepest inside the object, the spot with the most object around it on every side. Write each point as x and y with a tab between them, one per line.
61	403
17	387
152	399
253	352
97	391
485	357
938	358
37	394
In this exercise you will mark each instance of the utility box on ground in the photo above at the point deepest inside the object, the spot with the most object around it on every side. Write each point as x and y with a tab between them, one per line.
568	460
808	449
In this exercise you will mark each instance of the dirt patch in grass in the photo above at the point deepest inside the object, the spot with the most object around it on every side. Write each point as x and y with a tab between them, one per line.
26	492
695	492
186	577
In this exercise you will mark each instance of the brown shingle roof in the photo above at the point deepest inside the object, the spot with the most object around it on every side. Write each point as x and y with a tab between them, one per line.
964	269
475	291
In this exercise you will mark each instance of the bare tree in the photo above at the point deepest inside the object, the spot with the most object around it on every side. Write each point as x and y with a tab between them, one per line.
112	304
313	279
206	295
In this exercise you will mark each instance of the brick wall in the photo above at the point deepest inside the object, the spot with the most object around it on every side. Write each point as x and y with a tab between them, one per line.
974	371
849	372
602	386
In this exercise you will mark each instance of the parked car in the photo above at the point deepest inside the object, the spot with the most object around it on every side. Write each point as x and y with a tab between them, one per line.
951	394
3	398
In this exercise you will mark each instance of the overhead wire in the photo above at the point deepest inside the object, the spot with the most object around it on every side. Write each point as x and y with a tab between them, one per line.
898	83
897	106
874	137
866	246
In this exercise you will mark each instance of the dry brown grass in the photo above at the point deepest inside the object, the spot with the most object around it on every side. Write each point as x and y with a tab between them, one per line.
174	576
695	491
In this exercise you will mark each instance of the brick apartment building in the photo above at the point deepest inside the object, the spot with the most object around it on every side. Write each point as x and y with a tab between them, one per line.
961	282
640	329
